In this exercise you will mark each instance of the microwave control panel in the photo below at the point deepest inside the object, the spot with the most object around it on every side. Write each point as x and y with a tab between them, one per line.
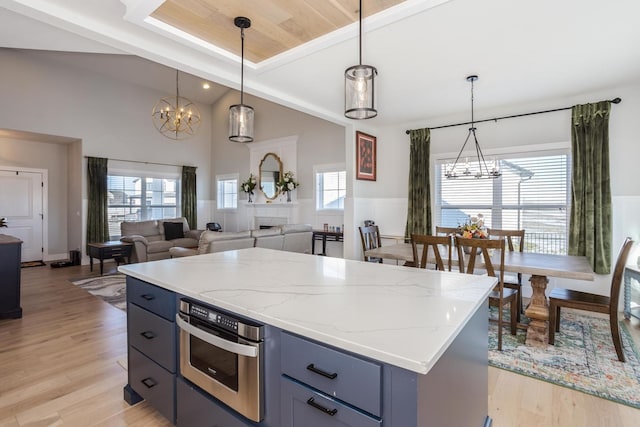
213	317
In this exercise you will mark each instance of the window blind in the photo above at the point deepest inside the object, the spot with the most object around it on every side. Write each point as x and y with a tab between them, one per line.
532	194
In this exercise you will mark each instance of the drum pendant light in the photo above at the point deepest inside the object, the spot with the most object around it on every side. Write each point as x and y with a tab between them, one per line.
241	115
359	87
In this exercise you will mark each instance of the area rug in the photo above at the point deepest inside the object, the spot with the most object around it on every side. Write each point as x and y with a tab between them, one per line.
27	264
583	358
110	288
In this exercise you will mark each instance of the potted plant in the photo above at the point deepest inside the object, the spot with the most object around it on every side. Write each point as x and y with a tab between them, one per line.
287	184
248	186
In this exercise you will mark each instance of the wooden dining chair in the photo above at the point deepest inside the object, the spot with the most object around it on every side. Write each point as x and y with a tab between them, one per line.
370	237
421	244
515	242
560	297
446	231
500	296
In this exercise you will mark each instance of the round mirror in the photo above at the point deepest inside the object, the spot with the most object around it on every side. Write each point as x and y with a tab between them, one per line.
270	173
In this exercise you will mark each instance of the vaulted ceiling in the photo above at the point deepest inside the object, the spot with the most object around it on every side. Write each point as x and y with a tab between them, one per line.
297	50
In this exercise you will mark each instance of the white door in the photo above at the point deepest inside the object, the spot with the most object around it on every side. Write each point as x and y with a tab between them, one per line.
21	204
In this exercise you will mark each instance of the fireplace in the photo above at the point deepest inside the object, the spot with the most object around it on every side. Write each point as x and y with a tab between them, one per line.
269	221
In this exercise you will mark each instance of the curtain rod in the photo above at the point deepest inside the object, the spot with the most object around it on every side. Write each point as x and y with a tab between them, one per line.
146	163
613	101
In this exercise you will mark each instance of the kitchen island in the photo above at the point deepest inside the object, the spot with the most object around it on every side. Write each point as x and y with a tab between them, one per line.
425	331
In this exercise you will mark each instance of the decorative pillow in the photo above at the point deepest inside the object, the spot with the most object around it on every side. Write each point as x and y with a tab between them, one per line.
173	230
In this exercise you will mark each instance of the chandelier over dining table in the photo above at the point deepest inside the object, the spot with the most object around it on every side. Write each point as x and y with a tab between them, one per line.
478	168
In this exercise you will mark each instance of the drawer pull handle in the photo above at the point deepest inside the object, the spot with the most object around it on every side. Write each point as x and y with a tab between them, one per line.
148	335
321	372
148	297
327	411
149	382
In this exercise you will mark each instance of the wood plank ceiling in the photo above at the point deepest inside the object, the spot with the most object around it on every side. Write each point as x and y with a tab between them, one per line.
276	25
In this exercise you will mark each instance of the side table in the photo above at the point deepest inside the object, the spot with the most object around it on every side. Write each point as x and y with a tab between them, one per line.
109	250
631	272
332	236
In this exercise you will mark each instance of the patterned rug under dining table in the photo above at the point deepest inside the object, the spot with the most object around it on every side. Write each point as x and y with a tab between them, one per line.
539	266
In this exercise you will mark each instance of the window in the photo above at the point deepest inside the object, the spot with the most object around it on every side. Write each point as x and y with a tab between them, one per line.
331	187
532	193
227	191
139	198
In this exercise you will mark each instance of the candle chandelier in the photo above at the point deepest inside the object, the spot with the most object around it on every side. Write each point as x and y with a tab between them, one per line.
240	115
176	117
359	87
468	170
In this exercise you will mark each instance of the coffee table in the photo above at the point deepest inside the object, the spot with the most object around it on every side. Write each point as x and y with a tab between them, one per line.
109	250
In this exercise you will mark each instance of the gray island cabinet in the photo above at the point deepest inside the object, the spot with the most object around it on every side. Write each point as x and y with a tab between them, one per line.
345	343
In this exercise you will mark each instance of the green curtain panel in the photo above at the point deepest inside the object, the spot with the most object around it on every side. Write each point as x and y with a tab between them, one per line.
419	209
590	223
97	219
189	197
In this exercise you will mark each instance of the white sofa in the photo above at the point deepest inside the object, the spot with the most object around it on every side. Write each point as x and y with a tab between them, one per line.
290	237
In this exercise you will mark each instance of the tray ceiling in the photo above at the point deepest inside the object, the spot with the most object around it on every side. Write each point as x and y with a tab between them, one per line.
276	25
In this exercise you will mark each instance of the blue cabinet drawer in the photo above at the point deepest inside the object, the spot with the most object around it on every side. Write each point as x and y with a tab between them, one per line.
153	336
197	409
153	383
340	375
304	407
157	300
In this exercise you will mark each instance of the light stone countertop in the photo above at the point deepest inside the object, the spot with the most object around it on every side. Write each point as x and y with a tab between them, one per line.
403	316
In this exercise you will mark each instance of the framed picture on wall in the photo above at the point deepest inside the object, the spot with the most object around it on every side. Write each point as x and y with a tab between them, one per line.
365	156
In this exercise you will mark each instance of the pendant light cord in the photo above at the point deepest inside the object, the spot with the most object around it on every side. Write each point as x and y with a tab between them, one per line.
472	120
360	32
177	90
242	68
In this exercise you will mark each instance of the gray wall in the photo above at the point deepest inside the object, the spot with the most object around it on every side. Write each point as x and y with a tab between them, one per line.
319	141
111	118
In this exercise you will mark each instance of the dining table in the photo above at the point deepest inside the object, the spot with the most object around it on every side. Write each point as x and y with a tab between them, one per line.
539	266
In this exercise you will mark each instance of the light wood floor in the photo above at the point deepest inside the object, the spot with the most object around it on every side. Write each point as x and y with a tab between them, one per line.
59	367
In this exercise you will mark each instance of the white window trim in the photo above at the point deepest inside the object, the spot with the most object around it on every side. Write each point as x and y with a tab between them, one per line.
329	167
225	177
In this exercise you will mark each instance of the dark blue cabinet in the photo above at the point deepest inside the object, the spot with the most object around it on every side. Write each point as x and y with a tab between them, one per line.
197	409
152	382
304	407
10	254
327	387
335	373
151	336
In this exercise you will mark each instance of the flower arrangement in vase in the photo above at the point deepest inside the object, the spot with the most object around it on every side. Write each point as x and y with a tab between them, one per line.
287	184
248	186
474	228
